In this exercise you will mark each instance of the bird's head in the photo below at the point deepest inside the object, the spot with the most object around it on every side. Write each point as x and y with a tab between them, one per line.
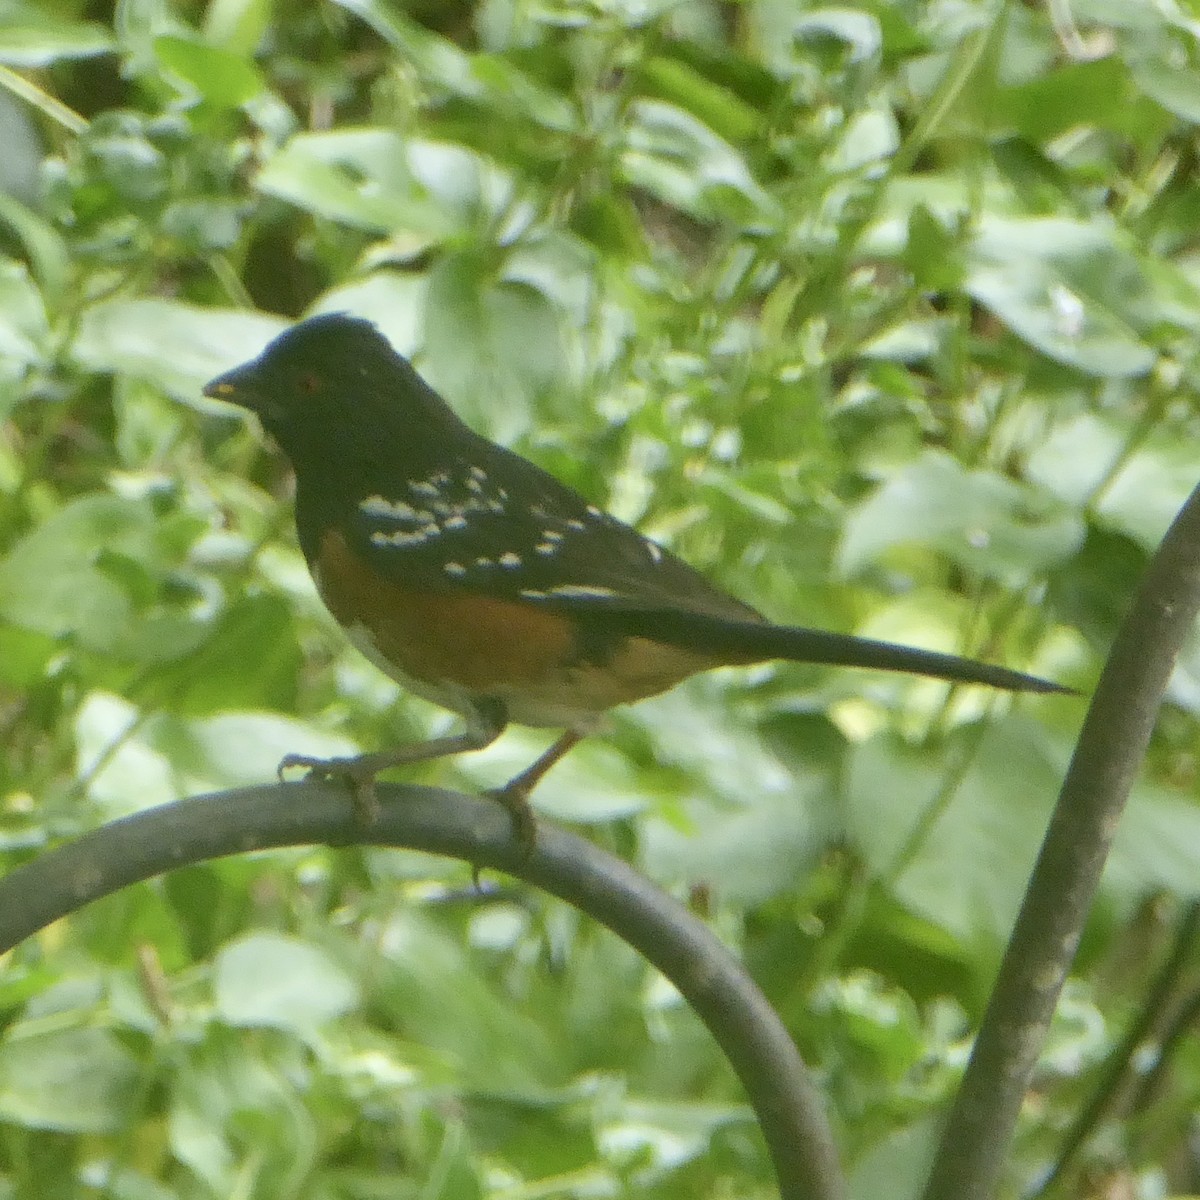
330	381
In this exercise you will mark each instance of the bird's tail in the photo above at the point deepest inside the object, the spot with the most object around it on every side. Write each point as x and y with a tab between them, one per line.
752	641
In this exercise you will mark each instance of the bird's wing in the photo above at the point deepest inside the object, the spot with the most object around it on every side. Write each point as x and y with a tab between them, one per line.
502	527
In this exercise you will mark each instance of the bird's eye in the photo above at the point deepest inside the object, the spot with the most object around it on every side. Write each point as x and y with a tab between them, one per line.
309	383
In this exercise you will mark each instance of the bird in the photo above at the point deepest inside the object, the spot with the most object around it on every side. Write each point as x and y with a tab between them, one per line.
477	580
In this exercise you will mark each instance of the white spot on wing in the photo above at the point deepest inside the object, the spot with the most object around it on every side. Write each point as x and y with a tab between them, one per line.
400	537
423	487
454	568
396	510
546	548
509	559
654	550
579	591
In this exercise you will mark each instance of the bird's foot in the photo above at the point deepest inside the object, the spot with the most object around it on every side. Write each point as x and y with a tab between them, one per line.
358	774
515	800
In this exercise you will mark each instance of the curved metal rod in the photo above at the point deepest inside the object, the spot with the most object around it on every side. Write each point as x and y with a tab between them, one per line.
778	1085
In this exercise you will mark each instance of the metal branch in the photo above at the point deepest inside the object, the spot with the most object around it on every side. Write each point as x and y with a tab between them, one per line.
1107	757
748	1030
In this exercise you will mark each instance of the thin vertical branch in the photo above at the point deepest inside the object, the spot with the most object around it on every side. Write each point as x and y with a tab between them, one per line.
1111	745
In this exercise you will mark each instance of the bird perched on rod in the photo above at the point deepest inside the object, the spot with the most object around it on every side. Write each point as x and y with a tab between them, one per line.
480	582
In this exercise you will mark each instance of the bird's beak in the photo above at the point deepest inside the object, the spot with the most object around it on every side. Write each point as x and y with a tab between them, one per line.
235	387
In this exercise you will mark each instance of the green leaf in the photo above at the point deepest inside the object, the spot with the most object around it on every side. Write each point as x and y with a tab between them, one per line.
235	749
1068	288
177	346
132	758
268	979
394	300
70	1080
1043	185
859	32
1142	498
236	1119
1050	104
870	137
52	580
220	76
24	328
988	524
932	253
115	754
492	346
1173	86
96	570
45	245
237	25
721	109
214	677
39	43
360	177
436	58
25	655
511	90
890	787
1157	847
656	1137
461	1016
879	1019
750	852
896	1164
204	225
683	162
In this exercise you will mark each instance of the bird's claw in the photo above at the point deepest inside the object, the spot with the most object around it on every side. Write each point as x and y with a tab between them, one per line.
516	801
359	779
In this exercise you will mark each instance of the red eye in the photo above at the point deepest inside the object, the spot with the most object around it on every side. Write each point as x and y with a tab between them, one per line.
309	383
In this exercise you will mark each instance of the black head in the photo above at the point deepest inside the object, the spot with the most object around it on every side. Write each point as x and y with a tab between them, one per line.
331	381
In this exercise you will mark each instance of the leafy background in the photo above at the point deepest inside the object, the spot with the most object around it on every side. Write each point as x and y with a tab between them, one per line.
885	317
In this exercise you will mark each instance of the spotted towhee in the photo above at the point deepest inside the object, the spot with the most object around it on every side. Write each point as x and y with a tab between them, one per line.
477	580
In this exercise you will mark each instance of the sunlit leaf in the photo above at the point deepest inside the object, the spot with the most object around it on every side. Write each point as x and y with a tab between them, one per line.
359	176
177	346
220	76
492	345
987	523
53	580
684	163
39	1069
40	43
1070	289
266	979
892	788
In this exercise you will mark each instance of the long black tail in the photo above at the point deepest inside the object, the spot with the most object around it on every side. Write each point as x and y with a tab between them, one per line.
751	641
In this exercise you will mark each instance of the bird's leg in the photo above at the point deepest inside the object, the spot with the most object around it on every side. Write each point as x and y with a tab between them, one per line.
514	795
484	725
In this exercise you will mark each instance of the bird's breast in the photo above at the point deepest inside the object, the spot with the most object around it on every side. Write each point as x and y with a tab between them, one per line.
454	647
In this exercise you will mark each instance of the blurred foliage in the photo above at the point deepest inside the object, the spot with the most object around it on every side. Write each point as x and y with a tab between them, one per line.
885	317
